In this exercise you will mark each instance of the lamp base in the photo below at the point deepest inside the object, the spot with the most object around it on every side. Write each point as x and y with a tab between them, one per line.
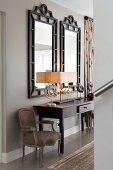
78	98
64	101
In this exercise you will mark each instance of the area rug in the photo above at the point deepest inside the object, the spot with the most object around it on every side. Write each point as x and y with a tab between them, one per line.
82	159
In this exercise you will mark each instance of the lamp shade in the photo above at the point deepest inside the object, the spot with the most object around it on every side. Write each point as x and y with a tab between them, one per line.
55	77
40	77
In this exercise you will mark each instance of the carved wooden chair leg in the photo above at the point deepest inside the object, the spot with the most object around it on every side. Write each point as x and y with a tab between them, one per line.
41	156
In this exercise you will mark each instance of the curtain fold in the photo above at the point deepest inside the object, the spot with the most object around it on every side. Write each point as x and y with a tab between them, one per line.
88	55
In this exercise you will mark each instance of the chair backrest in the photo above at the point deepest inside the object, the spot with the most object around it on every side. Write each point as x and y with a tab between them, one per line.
27	118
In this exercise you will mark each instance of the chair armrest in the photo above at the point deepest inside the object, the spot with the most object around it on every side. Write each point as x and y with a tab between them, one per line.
47	122
28	129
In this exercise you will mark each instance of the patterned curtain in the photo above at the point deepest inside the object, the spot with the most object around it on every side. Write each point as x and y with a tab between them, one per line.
89	55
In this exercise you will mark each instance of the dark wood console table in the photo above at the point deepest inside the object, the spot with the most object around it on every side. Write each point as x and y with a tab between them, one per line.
62	111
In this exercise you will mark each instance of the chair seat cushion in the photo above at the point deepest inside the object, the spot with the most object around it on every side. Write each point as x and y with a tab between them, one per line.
42	138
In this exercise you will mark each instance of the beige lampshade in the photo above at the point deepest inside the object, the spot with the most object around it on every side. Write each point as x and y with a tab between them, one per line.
55	77
40	77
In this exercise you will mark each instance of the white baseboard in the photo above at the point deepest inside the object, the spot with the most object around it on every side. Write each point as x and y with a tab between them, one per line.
71	131
13	155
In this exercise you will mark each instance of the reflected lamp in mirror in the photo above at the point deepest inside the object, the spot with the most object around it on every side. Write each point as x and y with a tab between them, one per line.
42	46
70	47
56	78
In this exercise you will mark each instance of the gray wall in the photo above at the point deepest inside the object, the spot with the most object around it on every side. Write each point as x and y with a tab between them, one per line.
16	63
103	72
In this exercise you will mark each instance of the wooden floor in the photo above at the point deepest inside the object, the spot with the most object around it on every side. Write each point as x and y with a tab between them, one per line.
72	143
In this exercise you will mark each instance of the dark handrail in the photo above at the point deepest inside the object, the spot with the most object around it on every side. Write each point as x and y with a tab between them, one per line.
103	88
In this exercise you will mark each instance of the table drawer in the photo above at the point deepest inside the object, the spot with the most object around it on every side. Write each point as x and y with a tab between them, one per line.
85	108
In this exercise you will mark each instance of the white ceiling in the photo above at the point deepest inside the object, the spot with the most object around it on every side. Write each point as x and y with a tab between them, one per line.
83	7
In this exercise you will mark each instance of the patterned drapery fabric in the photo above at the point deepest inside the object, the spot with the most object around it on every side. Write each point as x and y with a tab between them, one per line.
89	55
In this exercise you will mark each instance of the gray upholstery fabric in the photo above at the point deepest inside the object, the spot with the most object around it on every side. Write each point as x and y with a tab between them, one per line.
43	138
31	136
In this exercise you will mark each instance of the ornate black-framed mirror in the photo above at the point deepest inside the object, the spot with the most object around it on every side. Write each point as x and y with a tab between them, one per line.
42	47
70	47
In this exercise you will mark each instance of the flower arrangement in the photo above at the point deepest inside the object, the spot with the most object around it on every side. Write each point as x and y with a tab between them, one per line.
66	90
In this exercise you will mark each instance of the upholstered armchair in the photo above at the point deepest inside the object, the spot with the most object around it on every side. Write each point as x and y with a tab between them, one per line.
34	138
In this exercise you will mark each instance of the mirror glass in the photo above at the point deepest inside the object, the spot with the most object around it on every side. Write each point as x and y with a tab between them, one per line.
43	49
70	52
70	48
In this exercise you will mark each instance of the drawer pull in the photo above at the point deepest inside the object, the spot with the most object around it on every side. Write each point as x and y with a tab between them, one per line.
85	107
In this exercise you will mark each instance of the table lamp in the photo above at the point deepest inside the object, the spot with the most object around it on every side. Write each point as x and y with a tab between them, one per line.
55	78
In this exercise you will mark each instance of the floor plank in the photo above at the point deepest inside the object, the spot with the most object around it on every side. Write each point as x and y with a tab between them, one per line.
72	143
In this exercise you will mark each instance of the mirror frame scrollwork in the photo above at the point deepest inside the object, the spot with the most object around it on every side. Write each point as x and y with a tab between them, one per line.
70	24
41	14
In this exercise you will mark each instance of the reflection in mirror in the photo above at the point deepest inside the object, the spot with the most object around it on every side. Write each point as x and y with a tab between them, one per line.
70	47
43	49
70	52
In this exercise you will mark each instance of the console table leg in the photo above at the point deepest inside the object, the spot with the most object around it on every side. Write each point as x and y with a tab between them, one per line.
82	121
61	124
40	125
